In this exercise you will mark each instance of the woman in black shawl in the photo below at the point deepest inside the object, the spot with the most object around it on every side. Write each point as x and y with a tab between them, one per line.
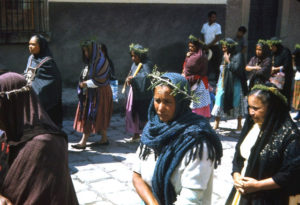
266	164
43	75
33	155
231	86
259	65
282	62
178	149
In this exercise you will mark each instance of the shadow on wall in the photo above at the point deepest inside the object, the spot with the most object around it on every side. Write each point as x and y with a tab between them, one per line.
170	58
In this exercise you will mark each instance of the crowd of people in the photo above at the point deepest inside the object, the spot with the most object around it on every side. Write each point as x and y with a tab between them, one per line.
178	149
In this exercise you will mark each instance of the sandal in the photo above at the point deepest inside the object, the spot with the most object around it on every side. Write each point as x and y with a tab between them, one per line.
78	146
95	144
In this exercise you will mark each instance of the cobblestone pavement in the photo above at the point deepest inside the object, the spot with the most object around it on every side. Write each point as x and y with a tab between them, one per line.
102	175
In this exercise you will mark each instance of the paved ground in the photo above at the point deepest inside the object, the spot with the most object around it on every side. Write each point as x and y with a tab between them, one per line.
102	175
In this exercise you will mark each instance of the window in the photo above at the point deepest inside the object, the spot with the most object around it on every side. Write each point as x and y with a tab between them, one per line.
19	19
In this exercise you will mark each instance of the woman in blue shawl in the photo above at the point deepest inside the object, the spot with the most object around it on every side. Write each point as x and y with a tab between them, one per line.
95	96
178	149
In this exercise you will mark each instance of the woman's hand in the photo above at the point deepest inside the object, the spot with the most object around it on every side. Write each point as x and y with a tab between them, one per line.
188	54
4	201
128	80
143	189
83	84
237	181
249	185
226	57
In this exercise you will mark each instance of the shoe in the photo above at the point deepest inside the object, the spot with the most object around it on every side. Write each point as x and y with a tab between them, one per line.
78	146
96	144
132	140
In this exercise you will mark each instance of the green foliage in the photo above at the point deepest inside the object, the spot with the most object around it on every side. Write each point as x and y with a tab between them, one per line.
157	80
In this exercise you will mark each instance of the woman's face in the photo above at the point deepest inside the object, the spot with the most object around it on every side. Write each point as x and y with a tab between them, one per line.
164	103
192	48
34	47
273	48
86	52
224	48
257	109
135	58
258	51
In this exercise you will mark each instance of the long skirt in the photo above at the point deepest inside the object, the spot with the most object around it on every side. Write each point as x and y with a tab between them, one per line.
133	124
296	97
40	174
238	101
104	112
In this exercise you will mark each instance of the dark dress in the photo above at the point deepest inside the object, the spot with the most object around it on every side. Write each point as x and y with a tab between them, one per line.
47	85
262	75
277	156
37	158
283	58
139	98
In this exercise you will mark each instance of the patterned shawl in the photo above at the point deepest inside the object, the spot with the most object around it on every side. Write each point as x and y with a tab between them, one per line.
99	74
171	141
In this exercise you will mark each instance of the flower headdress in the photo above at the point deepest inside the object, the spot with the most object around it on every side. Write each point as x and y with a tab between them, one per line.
194	38
273	90
138	49
228	42
262	42
156	80
92	39
274	41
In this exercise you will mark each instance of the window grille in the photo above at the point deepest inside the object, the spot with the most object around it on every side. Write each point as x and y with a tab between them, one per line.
19	19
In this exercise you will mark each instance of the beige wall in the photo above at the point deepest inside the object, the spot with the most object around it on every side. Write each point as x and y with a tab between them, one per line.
290	23
237	15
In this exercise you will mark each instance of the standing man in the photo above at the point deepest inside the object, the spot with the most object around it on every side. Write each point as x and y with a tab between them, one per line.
211	34
139	96
240	39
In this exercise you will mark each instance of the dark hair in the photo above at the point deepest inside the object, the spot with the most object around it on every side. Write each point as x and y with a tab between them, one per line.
242	29
277	109
89	46
103	48
211	13
44	47
266	52
296	53
196	43
142	56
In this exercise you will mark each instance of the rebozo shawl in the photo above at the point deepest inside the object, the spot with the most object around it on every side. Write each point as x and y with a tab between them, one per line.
98	72
47	82
235	70
171	141
22	115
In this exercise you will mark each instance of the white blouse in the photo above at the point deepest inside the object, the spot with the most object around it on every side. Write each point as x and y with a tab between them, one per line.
247	144
193	182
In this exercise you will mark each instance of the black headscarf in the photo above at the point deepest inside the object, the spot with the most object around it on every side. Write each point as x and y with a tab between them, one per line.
44	47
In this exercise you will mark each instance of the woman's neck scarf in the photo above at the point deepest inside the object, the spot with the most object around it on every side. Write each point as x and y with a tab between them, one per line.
171	141
99	73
